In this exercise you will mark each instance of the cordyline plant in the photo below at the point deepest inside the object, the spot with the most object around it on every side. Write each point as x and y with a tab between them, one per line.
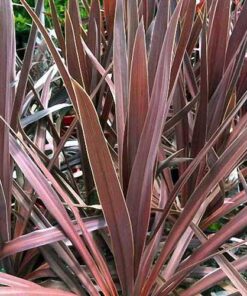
123	145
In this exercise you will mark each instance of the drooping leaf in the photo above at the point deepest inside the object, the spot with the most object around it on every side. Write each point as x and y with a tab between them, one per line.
47	236
214	278
52	202
42	113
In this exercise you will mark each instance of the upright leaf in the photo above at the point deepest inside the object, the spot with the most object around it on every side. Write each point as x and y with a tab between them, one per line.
183	40
71	52
140	185
218	41
22	85
57	27
120	71
74	13
200	129
238	35
132	25
159	31
109	11
94	40
7	83
138	101
109	190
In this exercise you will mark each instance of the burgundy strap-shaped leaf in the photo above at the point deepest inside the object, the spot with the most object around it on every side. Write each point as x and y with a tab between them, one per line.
132	25
138	101
72	58
109	190
43	237
74	13
57	27
214	277
53	204
26	65
222	167
7	87
218	41
160	26
109	11
140	185
39	291
120	71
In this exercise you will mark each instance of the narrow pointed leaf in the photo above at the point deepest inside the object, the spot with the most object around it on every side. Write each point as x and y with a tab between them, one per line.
213	278
120	70
52	202
218	41
57	27
160	27
43	237
138	99
34	292
140	185
72	58
200	129
132	25
21	89
109	10
109	190
223	166
76	22
7	77
42	113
